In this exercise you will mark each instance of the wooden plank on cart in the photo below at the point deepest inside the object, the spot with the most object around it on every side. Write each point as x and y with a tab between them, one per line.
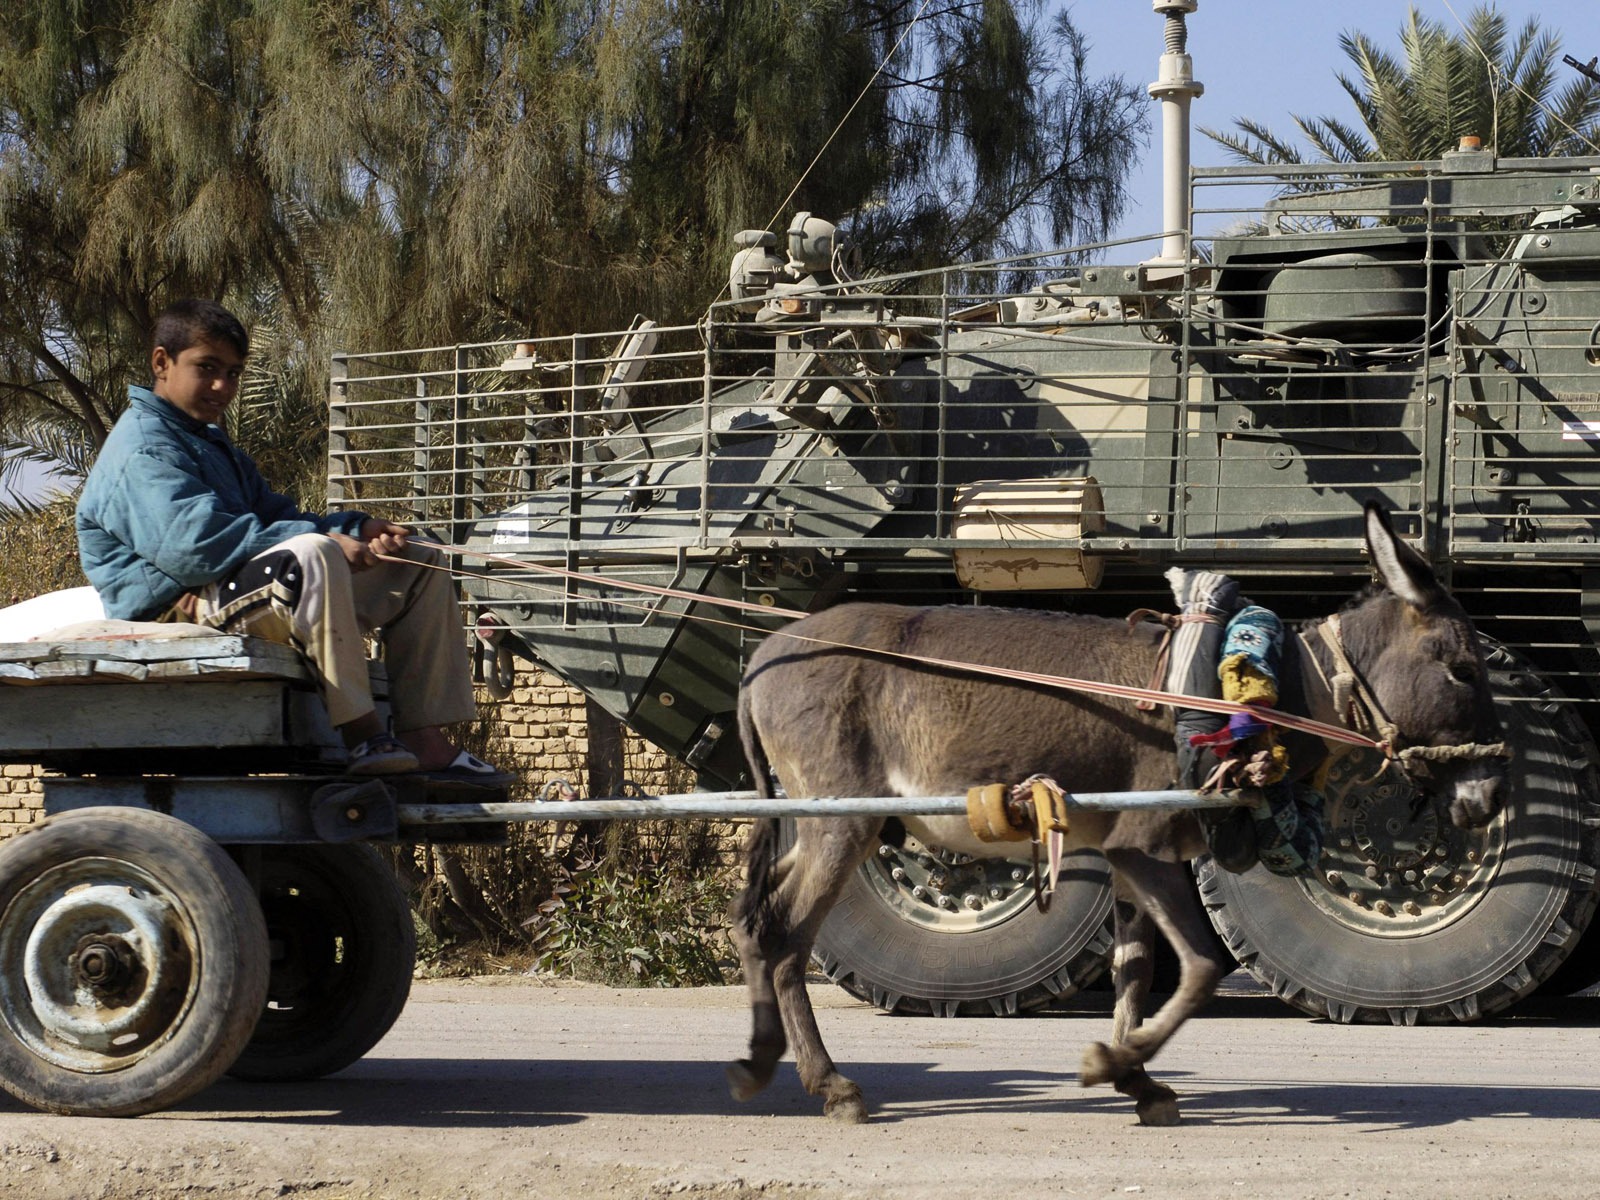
153	715
139	659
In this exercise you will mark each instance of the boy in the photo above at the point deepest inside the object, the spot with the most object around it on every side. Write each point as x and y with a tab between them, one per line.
176	523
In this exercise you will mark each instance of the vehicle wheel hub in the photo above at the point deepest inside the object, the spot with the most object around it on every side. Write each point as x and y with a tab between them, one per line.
1393	864
953	893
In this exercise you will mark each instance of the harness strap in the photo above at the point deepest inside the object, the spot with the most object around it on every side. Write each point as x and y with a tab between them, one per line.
1158	676
1354	700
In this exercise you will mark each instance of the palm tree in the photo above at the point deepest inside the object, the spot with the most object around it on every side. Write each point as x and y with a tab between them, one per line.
1477	82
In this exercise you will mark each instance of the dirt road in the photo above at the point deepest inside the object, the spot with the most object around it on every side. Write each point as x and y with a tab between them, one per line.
488	1090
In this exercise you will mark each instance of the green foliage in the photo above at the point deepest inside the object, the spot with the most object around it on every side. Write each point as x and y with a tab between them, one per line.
629	903
649	927
1480	81
38	551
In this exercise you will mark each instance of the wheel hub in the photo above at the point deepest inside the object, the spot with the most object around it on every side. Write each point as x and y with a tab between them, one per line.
106	965
951	892
102	965
1393	864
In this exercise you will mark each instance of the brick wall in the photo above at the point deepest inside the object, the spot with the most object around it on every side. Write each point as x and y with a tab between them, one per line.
20	796
541	732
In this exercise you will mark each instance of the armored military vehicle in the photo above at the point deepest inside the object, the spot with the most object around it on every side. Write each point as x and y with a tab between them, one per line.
1057	429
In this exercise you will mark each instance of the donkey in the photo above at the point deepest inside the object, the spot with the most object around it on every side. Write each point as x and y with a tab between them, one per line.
840	719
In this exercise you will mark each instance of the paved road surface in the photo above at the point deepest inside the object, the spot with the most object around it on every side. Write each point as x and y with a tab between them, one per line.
515	1088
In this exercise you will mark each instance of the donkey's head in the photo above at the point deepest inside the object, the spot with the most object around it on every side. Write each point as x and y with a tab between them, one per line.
1421	658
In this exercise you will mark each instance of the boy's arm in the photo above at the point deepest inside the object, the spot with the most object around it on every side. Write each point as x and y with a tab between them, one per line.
192	536
275	508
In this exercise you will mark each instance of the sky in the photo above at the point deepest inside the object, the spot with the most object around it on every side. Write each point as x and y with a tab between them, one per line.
1267	59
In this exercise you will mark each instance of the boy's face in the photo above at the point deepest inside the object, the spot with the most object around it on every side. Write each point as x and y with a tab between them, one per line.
201	381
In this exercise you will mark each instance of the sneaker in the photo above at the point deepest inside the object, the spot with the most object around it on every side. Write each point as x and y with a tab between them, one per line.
380	755
469	769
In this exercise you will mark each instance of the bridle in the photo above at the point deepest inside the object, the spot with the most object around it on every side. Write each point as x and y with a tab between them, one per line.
1357	704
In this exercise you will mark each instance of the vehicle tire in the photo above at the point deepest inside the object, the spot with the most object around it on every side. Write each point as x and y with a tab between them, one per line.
1485	916
133	962
1580	971
343	951
889	941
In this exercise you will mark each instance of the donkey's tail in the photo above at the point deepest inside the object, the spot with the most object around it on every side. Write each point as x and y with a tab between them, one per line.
756	909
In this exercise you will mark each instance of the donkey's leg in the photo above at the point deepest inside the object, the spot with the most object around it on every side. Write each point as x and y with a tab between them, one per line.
1132	966
828	853
1166	893
748	1076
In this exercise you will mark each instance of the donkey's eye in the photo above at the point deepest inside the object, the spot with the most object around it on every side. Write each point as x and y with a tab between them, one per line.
1464	673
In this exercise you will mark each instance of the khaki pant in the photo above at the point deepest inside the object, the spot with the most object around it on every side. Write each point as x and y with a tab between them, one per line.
302	593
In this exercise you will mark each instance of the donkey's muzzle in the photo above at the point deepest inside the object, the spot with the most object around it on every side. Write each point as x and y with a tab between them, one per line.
1479	794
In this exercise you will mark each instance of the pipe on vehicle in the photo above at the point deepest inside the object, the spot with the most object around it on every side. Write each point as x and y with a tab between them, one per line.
1176	88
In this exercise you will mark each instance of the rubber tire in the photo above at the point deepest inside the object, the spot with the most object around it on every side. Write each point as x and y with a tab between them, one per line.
344	950
227	969
1525	923
1019	965
1581	970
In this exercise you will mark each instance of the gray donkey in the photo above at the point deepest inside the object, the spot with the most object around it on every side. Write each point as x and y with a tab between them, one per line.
842	720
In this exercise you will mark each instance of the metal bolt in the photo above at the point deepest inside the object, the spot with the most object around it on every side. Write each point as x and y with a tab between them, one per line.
1384	907
1345	843
921	893
1412	908
973	901
898	874
1371	871
997	893
1439	852
1355	897
1472	856
1335	879
947	902
885	851
1457	879
1018	874
1544	242
353	813
1411	876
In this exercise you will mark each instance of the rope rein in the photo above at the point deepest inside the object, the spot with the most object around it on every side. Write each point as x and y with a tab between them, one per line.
1347	682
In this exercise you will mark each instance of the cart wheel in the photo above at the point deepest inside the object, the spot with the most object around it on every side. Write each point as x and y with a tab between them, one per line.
133	962
343	949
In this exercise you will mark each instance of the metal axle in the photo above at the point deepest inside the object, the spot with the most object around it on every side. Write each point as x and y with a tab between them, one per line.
748	804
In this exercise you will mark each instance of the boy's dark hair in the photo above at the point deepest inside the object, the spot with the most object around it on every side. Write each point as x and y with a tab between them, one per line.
182	324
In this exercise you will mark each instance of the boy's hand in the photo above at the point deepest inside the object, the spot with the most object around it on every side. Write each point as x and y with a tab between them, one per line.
384	537
356	552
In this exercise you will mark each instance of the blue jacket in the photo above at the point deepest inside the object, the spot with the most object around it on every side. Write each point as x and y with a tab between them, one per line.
171	504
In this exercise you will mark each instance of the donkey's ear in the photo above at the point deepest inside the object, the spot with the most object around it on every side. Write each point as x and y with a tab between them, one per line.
1403	571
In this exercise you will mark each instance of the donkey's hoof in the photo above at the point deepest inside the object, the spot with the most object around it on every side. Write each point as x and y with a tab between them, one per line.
1099	1065
848	1109
1158	1110
744	1080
